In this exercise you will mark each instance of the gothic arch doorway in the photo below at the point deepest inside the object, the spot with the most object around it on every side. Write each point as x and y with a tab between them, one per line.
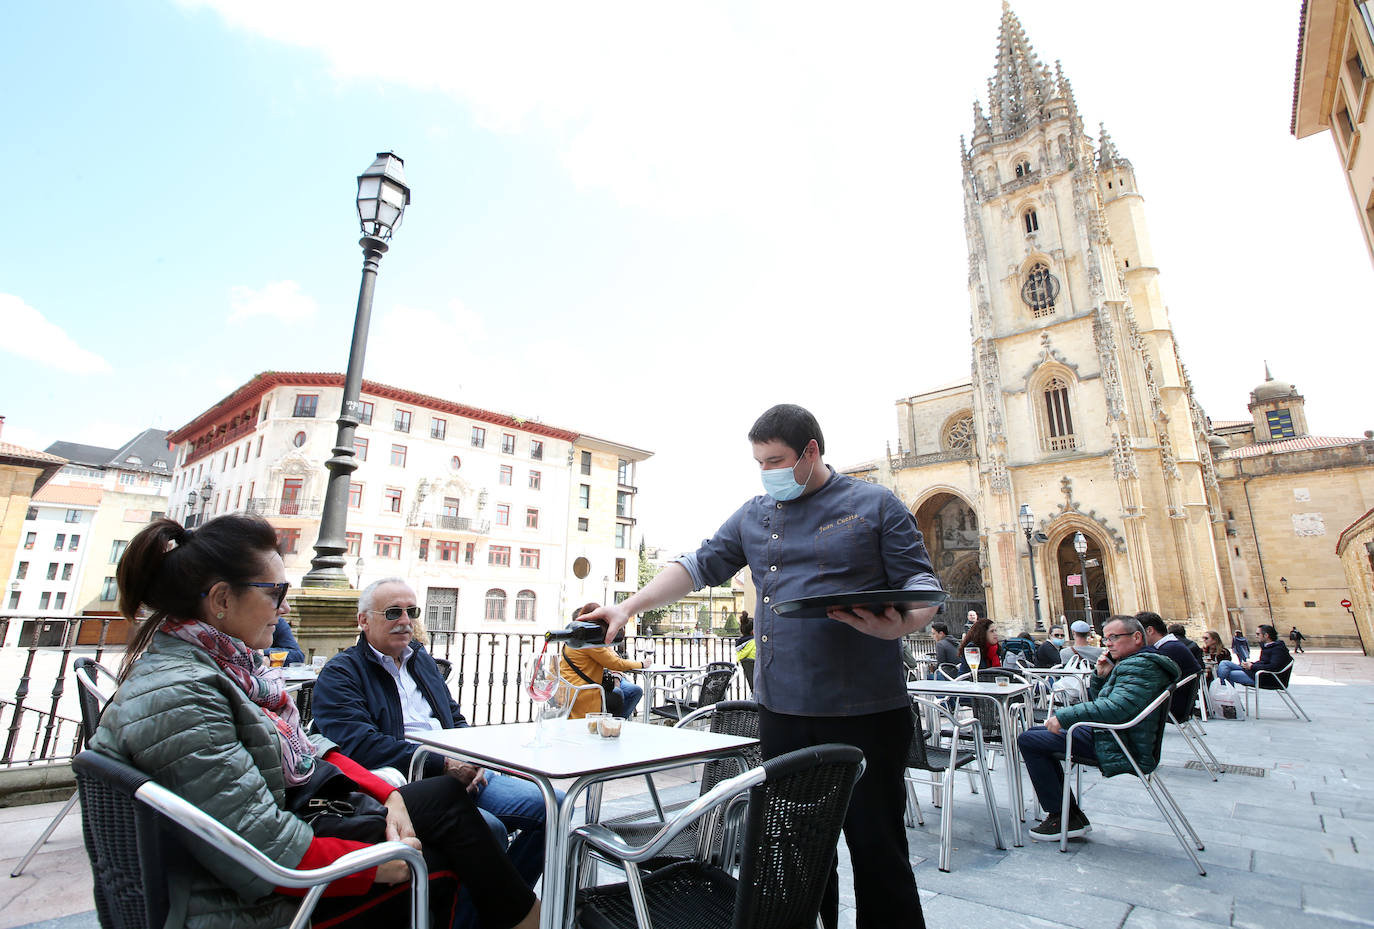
950	529
1076	606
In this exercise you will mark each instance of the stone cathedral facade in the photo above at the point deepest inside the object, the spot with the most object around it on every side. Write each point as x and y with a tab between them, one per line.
1079	405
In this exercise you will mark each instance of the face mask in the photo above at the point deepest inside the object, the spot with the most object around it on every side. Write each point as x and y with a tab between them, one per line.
1057	641
781	483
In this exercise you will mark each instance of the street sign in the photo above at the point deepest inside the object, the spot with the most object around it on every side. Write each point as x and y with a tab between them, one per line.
1346	604
1092	563
1074	580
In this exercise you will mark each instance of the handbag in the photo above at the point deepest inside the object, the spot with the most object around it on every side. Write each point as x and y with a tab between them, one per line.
615	703
333	808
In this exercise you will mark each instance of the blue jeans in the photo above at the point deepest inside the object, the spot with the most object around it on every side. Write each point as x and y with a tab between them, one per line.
1232	673
508	803
1043	753
631	693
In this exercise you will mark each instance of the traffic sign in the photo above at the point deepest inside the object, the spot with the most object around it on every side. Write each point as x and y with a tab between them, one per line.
1346	604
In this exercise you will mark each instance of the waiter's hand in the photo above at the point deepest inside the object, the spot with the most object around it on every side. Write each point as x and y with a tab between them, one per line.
889	624
612	614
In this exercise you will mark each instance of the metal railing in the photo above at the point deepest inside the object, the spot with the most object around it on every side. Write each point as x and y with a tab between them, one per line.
277	506
911	460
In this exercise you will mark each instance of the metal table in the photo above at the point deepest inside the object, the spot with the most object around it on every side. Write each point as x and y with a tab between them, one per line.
572	753
1003	697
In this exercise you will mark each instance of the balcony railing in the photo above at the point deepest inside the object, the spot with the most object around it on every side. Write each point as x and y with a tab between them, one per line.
295	507
451	523
909	460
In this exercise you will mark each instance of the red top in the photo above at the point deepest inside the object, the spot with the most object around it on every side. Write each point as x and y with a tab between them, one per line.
990	657
323	851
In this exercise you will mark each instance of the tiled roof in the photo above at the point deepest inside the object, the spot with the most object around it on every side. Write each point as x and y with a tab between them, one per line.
1302	443
74	494
1297	68
148	446
18	451
75	452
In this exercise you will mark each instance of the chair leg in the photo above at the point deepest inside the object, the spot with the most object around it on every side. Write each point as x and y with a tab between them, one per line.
947	821
1188	738
43	838
1064	805
1152	782
992	805
653	795
913	807
1198	734
972	784
1293	704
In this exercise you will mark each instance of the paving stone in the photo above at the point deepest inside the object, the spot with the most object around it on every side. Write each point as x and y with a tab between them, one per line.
1309	870
945	910
1251	915
1355	828
1142	917
1348	903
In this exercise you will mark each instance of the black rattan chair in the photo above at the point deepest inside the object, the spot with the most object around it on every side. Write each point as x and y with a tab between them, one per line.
746	669
796	808
711	689
445	666
127	823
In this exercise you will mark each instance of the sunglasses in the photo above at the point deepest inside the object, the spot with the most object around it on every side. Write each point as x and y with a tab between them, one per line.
394	613
279	590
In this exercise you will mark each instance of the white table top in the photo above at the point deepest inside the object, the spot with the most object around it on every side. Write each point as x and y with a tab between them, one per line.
1058	672
966	688
298	675
573	752
668	669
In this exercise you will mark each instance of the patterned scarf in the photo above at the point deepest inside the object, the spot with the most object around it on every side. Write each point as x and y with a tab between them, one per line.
264	685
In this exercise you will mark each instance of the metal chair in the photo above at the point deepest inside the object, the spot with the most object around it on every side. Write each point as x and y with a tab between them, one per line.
931	759
132	828
445	666
1154	784
1192	733
1280	686
711	688
746	669
796	808
96	684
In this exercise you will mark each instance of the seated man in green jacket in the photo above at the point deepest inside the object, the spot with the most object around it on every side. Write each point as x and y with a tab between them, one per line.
1129	675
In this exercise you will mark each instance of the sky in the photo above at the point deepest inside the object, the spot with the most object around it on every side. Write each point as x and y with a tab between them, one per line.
642	221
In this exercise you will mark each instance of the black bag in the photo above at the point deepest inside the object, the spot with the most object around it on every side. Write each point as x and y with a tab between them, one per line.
615	703
332	807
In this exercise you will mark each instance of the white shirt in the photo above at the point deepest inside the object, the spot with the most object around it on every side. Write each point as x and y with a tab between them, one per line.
415	709
1168	638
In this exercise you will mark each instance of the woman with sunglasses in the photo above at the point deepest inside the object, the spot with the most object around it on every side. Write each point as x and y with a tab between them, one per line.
200	711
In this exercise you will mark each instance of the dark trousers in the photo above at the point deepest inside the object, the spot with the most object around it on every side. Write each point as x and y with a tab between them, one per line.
458	847
884	885
1043	754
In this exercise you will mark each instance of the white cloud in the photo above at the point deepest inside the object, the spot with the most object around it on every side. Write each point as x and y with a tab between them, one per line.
30	335
281	300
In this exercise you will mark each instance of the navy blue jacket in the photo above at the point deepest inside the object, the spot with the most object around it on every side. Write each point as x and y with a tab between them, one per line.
1274	657
1182	704
356	705
282	637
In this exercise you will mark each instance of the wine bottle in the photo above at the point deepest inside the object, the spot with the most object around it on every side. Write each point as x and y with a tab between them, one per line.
580	634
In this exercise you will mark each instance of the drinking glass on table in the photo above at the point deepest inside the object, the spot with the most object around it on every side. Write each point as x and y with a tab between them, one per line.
974	656
551	694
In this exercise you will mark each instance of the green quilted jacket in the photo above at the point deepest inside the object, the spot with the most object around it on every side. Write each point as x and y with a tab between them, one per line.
1118	698
184	722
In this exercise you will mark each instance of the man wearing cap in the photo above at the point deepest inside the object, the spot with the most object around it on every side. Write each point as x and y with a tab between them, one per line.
1080	646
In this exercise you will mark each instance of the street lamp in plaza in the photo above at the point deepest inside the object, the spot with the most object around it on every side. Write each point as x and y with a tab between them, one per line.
358	567
1027	520
207	490
1080	545
191	498
382	198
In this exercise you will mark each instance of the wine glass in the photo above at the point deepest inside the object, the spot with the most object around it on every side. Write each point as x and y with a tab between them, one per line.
541	683
974	656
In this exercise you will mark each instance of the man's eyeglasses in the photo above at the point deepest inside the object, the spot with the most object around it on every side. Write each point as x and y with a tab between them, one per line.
394	613
278	590
1109	639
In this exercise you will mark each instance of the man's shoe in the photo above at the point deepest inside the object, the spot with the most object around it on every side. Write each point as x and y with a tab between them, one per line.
1047	830
1078	824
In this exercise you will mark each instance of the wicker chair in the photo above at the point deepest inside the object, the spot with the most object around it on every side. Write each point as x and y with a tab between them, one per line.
127	823
711	689
95	684
796	808
941	763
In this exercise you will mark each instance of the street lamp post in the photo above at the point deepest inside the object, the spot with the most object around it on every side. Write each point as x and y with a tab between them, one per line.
1027	520
1080	545
207	490
191	498
382	198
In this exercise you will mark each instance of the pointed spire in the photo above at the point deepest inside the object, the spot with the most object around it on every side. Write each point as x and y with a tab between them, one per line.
1267	375
1107	155
1021	86
980	122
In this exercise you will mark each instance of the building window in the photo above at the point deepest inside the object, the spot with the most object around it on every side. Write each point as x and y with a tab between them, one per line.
537	449
531	518
52	570
503	514
14	599
507	475
1058	416
401	421
455	463
306	404
67	572
126	478
535	479
354	543
117	550
365	408
524	606
398	456
1023	168
73	516
391	500
622	503
61	600
438	428
59	542
291	488
1032	221
479	437
498	556
355	495
529	557
258	453
1280	424
586	462
583	524
448	551
76	539
450	507
622	472
958	437
109	589
423	553
236	457
584	496
507	443
32	513
22	571
495	611
43	600
1367	17
620	570
622	535
360	448
469	552
1040	290
386	546
288	540
298	439
29	539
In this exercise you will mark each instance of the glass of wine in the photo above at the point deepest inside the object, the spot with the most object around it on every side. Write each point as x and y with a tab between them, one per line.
541	683
974	656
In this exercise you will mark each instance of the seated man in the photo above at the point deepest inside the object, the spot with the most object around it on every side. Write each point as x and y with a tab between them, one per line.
1158	636
369	697
1047	652
1129	675
1273	657
1180	632
1081	647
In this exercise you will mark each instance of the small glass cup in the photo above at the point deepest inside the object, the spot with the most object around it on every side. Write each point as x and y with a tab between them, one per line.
1003	682
609	726
318	662
593	721
277	657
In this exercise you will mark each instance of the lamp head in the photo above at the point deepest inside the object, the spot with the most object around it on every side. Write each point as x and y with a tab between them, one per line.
207	489
191	498
1080	544
1026	518
382	196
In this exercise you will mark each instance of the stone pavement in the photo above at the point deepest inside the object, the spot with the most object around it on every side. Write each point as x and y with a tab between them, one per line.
1289	849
